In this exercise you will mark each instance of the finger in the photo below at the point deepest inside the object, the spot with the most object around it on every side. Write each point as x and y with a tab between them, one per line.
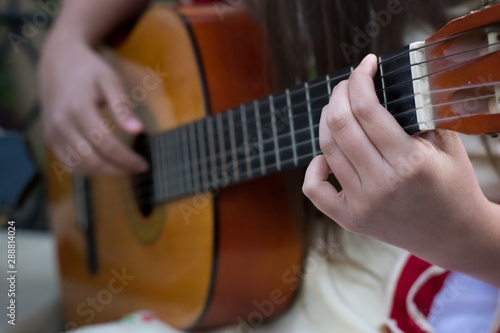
119	103
78	156
379	125
321	193
106	144
340	166
348	134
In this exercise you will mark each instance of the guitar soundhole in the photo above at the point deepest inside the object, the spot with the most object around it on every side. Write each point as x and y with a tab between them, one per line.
142	183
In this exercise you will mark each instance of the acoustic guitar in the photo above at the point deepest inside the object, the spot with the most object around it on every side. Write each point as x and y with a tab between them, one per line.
211	234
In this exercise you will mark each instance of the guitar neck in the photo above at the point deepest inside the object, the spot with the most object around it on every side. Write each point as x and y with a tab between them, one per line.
276	133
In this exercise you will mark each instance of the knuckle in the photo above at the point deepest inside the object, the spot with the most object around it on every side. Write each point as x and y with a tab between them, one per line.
363	109
341	85
326	146
90	165
337	119
57	120
308	189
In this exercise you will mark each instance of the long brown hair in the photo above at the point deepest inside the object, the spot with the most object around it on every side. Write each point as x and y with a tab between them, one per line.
314	37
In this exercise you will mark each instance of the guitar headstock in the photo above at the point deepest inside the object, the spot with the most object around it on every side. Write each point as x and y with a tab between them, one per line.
458	74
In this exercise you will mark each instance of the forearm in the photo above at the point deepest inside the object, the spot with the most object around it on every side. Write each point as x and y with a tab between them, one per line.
90	21
480	253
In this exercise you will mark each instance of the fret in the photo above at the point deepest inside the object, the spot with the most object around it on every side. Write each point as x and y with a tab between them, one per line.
164	166
194	157
268	144
173	188
178	160
222	149
309	112
383	82
292	130
211	147
155	166
283	127
246	140
328	85
234	153
275	132
259	138
187	162
203	155
399	91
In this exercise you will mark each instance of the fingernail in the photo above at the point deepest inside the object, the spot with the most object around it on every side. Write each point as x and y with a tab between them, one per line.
132	124
367	58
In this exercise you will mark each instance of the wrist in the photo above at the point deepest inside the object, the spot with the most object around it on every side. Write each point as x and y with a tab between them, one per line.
477	250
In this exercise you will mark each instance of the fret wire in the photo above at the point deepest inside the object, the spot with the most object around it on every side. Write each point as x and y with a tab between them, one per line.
309	114
245	140
211	147
292	129
383	82
263	102
173	186
194	157
328	85
301	156
270	140
178	157
155	165
176	164
222	147
233	145
187	162
259	137
203	154
164	166
275	135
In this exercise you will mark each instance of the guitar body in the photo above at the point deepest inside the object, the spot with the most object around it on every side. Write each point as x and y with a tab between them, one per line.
199	262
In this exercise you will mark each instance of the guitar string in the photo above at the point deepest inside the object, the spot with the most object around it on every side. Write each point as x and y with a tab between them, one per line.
243	160
282	94
427	45
266	101
393	101
320	97
396	114
145	189
347	74
446	57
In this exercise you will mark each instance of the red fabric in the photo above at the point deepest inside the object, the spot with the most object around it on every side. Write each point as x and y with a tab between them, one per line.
423	298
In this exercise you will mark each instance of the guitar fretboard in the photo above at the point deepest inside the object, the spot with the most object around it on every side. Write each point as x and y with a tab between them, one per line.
276	133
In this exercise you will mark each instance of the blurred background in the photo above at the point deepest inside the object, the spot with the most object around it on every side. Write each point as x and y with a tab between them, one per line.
23	27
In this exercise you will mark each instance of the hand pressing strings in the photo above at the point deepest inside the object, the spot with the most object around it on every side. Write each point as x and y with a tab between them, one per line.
419	193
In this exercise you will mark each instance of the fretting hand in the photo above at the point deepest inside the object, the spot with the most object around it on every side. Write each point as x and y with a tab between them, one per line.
419	193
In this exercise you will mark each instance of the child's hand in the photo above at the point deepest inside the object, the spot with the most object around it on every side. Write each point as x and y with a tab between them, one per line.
74	82
419	193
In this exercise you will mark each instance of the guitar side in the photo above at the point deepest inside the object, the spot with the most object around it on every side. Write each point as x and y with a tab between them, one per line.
199	262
